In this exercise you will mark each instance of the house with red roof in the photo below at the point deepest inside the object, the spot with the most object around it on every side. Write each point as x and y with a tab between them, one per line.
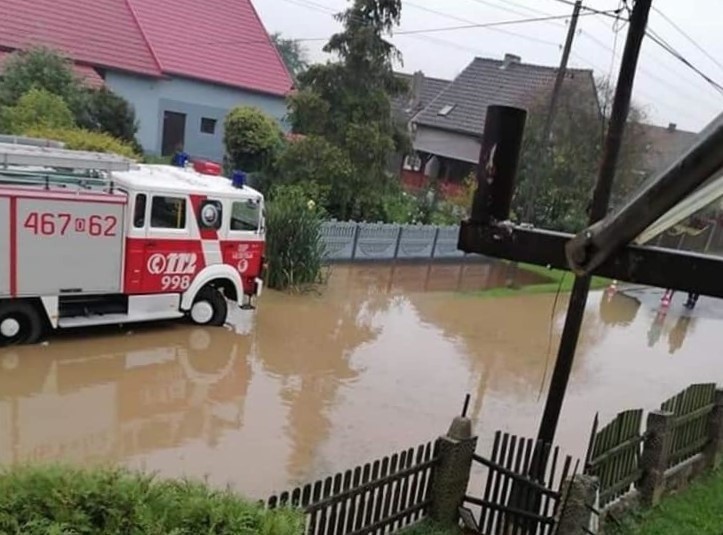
183	64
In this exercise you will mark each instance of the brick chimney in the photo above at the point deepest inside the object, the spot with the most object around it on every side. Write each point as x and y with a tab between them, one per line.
509	59
672	127
415	97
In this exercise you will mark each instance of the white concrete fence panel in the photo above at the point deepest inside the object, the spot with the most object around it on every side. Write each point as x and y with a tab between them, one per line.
346	241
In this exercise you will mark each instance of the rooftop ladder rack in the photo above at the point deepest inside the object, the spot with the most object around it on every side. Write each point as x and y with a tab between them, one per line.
58	167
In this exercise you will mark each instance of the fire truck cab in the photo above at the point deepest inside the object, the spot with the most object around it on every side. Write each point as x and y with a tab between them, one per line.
94	239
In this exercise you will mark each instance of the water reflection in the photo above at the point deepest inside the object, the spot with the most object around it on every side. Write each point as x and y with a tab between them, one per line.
101	399
325	381
618	309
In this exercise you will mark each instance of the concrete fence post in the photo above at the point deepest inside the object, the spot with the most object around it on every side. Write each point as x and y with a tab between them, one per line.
451	475
355	241
654	461
714	450
578	496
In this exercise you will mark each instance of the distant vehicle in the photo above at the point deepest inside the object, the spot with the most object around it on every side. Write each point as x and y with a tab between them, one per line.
95	239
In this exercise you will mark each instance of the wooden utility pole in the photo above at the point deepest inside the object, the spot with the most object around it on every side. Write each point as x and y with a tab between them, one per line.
599	207
561	71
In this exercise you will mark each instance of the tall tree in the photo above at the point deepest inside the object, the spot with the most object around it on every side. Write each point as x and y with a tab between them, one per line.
564	168
347	101
292	52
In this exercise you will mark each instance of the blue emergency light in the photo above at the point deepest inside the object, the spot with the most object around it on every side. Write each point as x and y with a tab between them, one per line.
180	159
238	179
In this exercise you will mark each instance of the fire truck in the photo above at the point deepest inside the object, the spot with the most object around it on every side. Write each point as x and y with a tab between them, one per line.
96	239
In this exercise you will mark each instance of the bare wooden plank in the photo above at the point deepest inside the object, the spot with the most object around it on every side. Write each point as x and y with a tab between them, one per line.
489	479
496	519
507	483
352	506
591	441
389	489
414	482
379	503
305	496
296	498
426	476
314	515
324	511
371	497
334	509
397	498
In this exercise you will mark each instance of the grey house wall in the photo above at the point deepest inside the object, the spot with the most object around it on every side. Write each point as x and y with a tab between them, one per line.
151	98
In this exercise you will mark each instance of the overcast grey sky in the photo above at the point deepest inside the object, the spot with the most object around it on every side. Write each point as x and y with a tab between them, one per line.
666	89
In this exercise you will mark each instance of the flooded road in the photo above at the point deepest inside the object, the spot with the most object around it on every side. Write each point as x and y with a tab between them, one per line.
379	361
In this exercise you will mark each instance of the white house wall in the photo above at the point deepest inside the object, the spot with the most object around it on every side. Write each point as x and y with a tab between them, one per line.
151	98
447	144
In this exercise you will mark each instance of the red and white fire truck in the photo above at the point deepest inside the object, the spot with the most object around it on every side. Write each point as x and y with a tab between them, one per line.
95	239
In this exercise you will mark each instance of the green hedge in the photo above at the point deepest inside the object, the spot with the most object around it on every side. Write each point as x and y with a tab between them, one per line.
78	139
63	500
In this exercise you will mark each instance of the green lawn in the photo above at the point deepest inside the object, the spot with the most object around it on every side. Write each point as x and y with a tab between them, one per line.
696	511
557	280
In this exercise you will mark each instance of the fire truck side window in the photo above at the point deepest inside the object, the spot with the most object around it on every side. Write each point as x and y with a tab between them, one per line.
168	212
245	215
139	211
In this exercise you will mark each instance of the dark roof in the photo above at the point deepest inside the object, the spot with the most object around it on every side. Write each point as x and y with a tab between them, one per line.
404	104
219	41
662	145
490	81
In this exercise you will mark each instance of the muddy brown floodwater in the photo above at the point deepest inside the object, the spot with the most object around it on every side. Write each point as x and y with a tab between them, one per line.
380	360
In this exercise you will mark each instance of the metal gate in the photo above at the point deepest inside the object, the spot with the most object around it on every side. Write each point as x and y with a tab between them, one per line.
522	491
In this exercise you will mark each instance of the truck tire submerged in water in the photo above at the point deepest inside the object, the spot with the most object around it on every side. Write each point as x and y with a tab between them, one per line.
209	307
20	323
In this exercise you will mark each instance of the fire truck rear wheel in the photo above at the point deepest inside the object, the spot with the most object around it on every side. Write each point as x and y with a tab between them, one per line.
20	323
209	308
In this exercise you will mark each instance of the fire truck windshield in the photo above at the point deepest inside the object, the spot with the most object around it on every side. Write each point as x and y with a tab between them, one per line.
245	215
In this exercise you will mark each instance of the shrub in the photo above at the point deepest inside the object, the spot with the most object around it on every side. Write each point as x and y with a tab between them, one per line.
293	240
250	137
54	499
315	160
101	110
37	109
39	68
78	139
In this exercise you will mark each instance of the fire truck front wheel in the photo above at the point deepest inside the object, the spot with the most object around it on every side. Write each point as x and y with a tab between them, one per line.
20	323
209	307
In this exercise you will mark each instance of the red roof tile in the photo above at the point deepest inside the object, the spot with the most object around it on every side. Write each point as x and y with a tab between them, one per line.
221	41
88	75
98	32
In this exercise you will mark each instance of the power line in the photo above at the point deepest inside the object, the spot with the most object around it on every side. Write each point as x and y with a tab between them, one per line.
668	48
665	83
610	13
482	25
648	96
510	10
688	37
468	21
